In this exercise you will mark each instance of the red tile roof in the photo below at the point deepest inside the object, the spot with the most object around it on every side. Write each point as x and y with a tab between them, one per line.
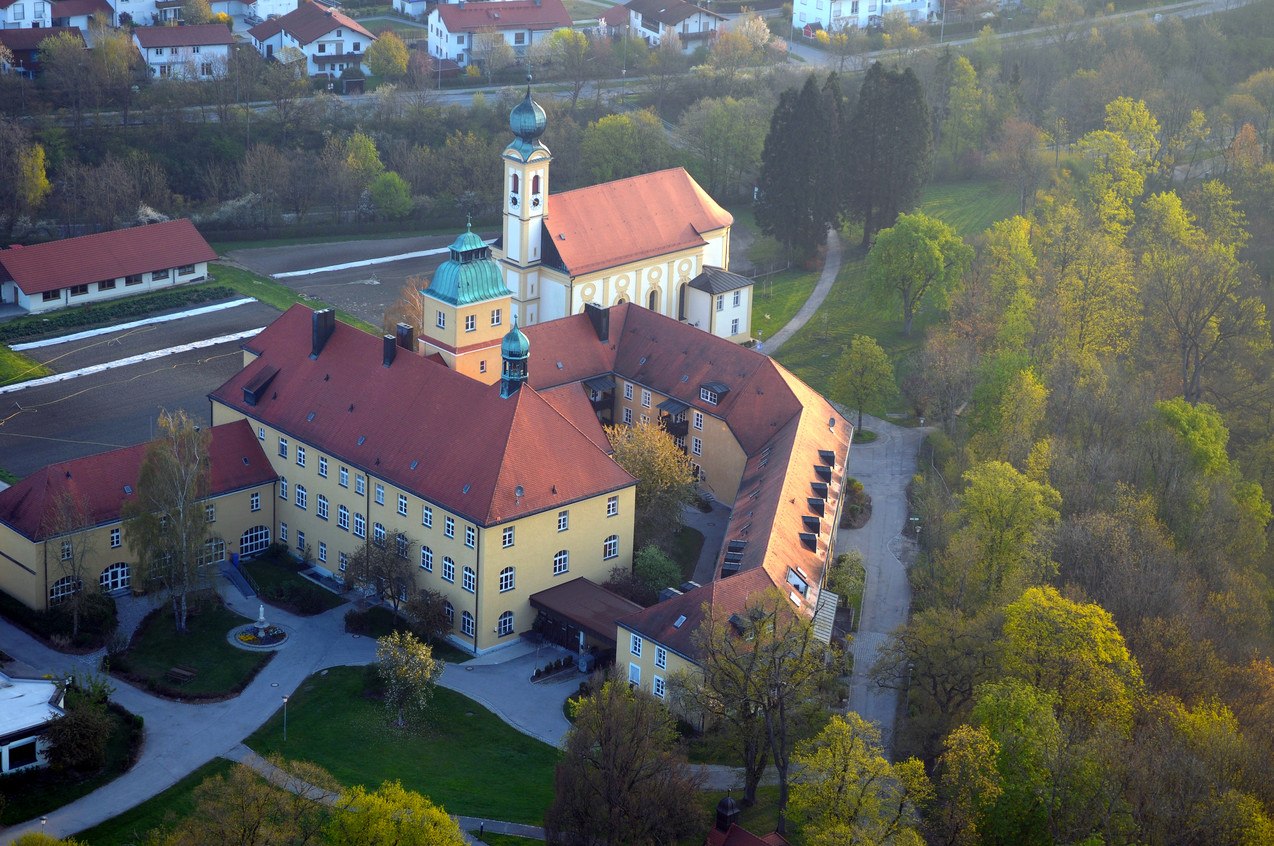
504	14
630	219
728	595
200	35
309	22
97	481
75	8
670	12
427	429
615	16
739	836
30	39
106	255
571	401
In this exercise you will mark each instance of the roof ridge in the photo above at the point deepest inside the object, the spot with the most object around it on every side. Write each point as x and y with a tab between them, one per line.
94	234
619	181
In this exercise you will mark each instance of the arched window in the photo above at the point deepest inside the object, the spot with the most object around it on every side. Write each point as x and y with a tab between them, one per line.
427	559
115	577
469	579
681	302
652	302
514	189
378	534
466	623
505	626
450	611
610	549
302	497
506	579
214	551
63	588
621	301
561	562
535	184
254	541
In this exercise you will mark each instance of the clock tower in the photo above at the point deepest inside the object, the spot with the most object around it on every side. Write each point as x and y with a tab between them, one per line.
526	203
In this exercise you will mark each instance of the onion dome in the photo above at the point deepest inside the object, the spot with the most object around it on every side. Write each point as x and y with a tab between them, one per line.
470	275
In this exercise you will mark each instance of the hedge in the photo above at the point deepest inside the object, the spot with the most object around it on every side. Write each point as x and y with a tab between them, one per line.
108	313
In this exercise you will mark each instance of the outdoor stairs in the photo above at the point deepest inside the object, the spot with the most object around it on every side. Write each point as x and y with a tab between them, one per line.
825	615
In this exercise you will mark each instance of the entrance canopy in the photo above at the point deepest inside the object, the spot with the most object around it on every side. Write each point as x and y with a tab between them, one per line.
586	606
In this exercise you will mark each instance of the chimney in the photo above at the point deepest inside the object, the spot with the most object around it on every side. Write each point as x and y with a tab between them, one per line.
600	318
406	336
391	346
323	326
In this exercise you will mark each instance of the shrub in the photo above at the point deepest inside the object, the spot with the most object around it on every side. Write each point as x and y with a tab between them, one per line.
98	620
77	741
108	313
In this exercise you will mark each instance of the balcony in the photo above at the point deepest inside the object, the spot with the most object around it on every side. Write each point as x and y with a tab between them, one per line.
676	428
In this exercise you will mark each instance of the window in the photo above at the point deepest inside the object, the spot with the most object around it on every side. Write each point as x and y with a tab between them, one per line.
63	588
426	559
115	538
660	689
49	296
506	579
470	322
470	537
449	527
255	502
300	542
519	38
661	658
634	674
401	545
720	302
504	627
78	290
448	569
378	534
210	512
23	755
360	525
342	518
302	497
426	517
563	520
497	317
610	548
283	447
283	532
699	420
322	48
205	69
737	296
344	561
466	623
628	416
450	611
260	433
696	446
612	506
115	577
380	494
322	467
322	552
157	275
343	477
482	366
645	418
634	644
441	320
402	505
321	508
708	396
135	279
254	540
17	12
734	326
68	550
469	579
645	398
283	488
300	456
628	390
106	286
561	562
506	537
360	484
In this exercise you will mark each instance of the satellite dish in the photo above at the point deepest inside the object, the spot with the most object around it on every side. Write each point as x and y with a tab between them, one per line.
519	492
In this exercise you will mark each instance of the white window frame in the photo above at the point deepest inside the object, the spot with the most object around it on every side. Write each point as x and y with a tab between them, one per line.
612	506
508	579
634	644
469	579
402	505
561	562
426	516
506	537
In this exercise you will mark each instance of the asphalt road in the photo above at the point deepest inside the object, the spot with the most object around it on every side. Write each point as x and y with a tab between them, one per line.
118	407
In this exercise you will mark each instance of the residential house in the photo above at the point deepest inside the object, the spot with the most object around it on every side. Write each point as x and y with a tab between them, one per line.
560	251
25	14
107	265
653	20
331	41
24	44
83	14
71	511
836	15
185	52
454	26
27	706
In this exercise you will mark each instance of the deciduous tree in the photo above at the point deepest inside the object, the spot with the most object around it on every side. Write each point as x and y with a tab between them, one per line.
391	195
619	146
384	565
568	50
387	57
915	257
492	51
390	815
409	672
665	482
866	375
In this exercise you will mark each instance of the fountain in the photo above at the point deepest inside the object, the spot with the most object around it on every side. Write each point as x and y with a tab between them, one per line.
259	635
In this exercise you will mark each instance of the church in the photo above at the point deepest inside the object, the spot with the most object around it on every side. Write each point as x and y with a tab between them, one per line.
657	240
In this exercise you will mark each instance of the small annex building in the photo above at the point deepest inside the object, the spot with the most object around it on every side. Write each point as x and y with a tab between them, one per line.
103	266
453	27
27	706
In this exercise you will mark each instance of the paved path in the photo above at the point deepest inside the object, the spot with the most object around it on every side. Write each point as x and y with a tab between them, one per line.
885	467
831	267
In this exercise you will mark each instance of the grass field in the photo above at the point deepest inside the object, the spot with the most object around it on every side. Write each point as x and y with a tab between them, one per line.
969	207
493	839
582	10
16	367
279	582
467	760
685	550
776	299
221	668
171	806
275	294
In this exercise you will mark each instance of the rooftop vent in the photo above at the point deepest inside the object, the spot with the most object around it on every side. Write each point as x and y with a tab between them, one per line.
389	345
323	324
405	335
362	439
827	456
309	418
128	490
809	540
818	505
466	487
823	472
414	464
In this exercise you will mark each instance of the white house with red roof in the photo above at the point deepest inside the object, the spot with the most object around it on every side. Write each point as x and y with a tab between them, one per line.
655	20
104	266
331	41
25	14
185	52
453	26
82	14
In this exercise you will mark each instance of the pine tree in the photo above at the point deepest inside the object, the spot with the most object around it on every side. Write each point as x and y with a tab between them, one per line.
890	145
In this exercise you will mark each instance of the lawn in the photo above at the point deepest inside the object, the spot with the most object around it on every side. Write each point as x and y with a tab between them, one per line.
403	30
492	839
776	299
279	583
467	760
970	207
686	544
276	294
584	10
759	819
171	806
378	621
16	367
221	668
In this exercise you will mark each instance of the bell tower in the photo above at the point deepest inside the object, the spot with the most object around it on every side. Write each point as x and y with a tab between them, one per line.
526	203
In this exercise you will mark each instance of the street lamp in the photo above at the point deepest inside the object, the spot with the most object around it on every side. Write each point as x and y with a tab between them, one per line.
285	719
44	824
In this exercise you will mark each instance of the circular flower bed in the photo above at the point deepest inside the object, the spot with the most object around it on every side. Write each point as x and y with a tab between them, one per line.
249	637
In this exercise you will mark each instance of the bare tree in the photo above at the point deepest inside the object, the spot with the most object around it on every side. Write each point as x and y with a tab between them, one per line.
70	528
383	565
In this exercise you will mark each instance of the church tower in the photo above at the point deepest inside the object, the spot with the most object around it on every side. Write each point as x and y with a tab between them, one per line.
465	308
526	204
515	349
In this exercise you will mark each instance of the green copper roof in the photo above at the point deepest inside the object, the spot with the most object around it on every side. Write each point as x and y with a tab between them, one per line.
470	275
515	345
527	121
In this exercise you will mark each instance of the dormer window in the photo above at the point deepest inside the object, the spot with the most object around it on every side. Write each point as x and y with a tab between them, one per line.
798	583
709	396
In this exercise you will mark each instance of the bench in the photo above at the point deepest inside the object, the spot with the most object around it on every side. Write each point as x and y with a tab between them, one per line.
181	675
